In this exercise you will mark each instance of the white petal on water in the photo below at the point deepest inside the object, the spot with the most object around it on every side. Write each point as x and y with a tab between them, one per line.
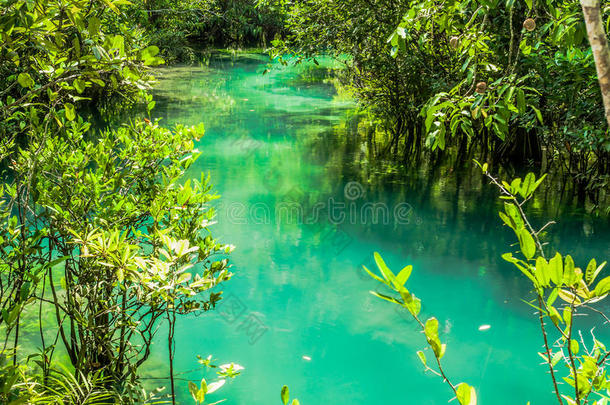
236	367
215	385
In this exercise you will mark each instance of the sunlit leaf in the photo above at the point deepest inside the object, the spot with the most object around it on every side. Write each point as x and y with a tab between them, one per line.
285	395
526	241
466	394
25	80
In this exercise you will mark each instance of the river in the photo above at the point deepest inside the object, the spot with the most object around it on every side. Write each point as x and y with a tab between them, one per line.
306	209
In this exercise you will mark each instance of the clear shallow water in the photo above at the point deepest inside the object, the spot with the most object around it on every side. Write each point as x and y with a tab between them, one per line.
283	152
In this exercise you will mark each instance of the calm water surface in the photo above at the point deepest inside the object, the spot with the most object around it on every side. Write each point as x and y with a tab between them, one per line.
306	210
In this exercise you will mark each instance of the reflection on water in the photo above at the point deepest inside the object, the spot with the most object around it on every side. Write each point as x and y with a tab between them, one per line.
306	208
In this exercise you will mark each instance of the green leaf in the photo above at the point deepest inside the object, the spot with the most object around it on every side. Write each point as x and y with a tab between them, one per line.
521	265
422	357
70	113
520	101
542	271
515	185
569	297
193	390
285	395
603	287
25	80
556	357
98	82
507	220
574	347
111	5
184	277
79	85
538	113
431	332
385	270
527	188
404	275
414	305
14	313
55	262
149	53
375	276
571	275
556	269
97	52
528	246
500	130
538	182
94	26
120	275
596	272
202	391
466	394
385	297
528	274
118	42
431	328
552	297
509	258
554	315
25	291
515	216
591	267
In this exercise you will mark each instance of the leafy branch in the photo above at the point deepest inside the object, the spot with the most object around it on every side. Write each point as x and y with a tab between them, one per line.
465	394
557	278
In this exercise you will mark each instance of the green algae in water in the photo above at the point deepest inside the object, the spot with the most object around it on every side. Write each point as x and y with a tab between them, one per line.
298	310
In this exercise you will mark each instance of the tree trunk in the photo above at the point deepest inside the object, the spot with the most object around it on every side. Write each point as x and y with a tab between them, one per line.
599	44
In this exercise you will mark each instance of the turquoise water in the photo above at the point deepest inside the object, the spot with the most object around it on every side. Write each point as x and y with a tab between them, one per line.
305	209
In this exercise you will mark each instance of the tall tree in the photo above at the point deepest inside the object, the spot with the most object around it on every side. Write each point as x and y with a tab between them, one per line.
599	44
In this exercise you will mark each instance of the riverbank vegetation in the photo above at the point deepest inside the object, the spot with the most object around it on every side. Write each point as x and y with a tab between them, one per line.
103	245
101	242
507	82
184	30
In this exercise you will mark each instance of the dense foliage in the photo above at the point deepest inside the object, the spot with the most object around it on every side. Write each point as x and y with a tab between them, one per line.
509	80
182	29
101	241
56	56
